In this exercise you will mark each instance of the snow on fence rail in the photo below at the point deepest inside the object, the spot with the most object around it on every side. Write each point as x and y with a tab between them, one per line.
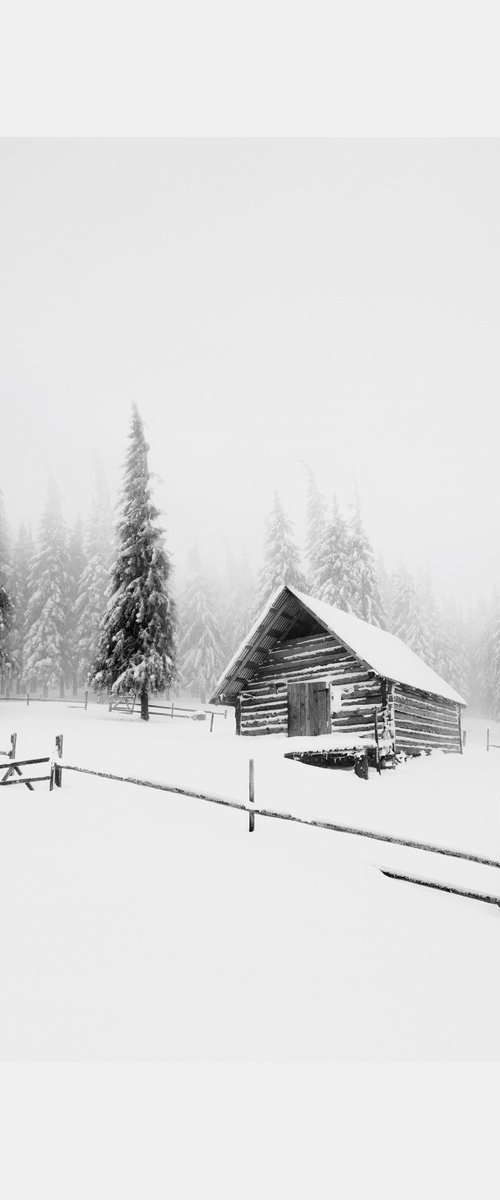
275	814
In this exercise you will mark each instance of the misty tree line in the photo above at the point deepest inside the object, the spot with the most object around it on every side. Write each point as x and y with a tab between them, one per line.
338	566
55	592
90	604
96	604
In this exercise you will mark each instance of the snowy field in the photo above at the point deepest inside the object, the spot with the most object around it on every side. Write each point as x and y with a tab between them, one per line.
138	924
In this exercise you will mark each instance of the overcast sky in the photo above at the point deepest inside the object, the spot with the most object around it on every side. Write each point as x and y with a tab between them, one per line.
262	302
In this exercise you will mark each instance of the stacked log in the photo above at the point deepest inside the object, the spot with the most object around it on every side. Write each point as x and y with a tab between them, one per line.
425	722
264	702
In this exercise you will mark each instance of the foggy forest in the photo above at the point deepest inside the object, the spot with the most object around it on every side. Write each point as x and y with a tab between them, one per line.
57	583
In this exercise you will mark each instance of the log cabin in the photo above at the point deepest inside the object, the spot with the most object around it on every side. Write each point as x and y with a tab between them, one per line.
307	669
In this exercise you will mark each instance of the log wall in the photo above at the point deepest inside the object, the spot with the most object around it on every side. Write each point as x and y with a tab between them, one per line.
264	707
425	722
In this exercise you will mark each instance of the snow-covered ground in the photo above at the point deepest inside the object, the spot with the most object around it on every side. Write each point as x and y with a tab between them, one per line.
140	924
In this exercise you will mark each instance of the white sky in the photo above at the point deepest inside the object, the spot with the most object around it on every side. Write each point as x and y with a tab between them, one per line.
262	302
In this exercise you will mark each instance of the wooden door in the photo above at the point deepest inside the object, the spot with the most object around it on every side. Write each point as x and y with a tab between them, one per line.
309	708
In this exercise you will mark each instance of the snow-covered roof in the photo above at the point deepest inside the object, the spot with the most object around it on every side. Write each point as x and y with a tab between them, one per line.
383	652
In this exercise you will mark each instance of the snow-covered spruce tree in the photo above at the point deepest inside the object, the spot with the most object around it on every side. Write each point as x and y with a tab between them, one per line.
460	656
237	604
479	619
281	556
316	520
332	561
93	595
76	567
363	594
22	559
408	622
201	649
46	650
385	585
136	651
489	660
6	606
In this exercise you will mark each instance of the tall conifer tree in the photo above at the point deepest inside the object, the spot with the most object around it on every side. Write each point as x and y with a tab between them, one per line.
316	519
46	646
281	556
22	559
93	596
76	568
6	607
136	651
364	597
332	557
201	651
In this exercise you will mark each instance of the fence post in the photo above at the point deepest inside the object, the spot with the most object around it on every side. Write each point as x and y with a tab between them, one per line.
172	709
27	698
251	794
487	739
58	770
13	744
211	722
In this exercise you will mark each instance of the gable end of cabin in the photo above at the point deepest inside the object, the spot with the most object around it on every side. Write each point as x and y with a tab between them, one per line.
310	684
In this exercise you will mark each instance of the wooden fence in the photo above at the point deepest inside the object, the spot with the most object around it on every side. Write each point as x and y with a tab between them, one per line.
121	704
128	703
13	767
489	744
55	779
275	814
30	698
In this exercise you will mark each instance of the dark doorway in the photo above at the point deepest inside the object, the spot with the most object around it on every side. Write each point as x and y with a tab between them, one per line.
309	708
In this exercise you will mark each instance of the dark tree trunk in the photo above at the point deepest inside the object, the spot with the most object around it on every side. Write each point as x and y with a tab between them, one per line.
75	686
144	705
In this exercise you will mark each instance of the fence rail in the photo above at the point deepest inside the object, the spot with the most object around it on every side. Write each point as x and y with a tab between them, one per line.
276	814
119	704
58	764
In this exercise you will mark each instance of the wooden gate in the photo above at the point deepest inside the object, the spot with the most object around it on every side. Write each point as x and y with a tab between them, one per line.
309	708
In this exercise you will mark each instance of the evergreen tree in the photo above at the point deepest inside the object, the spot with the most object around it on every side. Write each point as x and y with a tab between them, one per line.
478	624
136	651
21	574
76	568
238	603
363	598
6	607
95	579
332	559
385	584
490	660
316	519
201	652
46	649
460	661
281	556
408	621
